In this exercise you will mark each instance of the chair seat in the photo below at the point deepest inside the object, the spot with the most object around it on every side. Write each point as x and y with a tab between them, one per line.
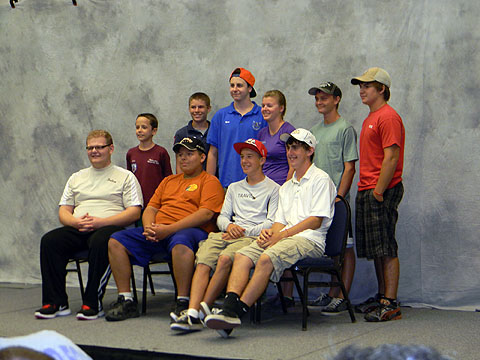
318	262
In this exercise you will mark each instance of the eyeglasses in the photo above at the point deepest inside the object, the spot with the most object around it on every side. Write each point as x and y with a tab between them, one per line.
96	147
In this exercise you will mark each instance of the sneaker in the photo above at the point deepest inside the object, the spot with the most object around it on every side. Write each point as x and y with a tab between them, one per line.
187	323
50	311
87	313
368	305
122	309
224	320
384	313
181	308
335	307
323	300
205	310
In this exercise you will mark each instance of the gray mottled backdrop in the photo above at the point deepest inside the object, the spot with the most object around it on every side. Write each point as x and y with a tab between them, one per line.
66	70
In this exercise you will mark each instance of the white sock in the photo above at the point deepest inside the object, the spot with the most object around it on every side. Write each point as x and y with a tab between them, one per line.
183	298
192	313
127	295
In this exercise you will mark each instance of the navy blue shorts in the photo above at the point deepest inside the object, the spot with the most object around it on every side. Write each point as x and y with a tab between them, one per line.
142	249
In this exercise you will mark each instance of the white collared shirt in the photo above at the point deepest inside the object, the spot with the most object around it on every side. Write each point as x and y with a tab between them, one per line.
313	195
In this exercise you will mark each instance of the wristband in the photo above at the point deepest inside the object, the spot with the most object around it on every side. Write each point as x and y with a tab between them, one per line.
377	193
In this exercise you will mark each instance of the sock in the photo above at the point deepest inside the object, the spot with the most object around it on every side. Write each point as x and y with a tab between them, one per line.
183	298
127	295
192	313
242	308
230	302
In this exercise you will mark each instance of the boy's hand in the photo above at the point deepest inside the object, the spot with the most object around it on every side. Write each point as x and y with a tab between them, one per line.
234	231
85	223
149	233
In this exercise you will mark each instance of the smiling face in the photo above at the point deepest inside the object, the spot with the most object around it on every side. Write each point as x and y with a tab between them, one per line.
370	95
239	89
198	110
190	161
326	103
271	109
251	161
144	130
99	157
298	156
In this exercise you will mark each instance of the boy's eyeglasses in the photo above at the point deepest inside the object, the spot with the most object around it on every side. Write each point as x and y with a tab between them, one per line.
96	147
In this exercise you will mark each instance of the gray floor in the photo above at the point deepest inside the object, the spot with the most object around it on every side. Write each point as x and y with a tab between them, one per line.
279	336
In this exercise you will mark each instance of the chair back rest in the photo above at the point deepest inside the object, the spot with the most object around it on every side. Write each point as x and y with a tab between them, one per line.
338	232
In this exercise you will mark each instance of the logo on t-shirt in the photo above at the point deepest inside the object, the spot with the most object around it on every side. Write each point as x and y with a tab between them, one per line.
191	187
256	125
134	167
153	161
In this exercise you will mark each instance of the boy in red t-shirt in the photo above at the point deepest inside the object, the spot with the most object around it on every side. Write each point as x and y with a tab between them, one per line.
148	161
380	190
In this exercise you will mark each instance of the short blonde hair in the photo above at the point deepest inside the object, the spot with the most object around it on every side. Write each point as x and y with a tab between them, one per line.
100	133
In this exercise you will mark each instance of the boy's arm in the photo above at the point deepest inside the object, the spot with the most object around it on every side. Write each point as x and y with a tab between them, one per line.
389	165
270	237
347	178
212	160
196	219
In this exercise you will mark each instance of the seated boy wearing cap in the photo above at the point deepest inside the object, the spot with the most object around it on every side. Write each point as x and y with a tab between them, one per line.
250	205
179	215
304	214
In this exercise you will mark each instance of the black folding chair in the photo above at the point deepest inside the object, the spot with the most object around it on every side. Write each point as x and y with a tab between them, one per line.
336	243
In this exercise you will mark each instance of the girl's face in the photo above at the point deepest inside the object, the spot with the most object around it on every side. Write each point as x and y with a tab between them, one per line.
271	109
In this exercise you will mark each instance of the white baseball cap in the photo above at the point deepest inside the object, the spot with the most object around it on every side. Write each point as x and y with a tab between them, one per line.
301	135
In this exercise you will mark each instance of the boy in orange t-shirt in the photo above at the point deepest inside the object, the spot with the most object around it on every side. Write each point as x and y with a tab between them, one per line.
179	215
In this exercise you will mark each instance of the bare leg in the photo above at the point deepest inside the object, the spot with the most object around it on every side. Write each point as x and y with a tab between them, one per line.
379	270
120	264
347	273
219	279
199	284
287	286
259	281
391	274
240	272
183	260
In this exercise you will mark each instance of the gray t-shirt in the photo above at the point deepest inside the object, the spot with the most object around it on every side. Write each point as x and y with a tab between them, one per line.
251	207
336	144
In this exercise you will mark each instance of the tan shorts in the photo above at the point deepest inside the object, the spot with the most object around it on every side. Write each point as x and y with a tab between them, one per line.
212	248
284	254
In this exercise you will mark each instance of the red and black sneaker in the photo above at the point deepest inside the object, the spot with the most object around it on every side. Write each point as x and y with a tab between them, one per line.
50	311
87	313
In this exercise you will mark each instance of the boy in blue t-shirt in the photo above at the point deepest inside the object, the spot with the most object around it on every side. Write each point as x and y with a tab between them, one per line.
239	121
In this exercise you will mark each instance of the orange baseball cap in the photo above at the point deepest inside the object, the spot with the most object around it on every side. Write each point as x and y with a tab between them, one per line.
247	76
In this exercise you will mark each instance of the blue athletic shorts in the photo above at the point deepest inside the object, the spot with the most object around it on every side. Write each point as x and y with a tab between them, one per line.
142	250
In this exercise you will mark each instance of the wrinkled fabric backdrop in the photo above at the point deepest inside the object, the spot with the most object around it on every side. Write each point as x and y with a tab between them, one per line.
66	70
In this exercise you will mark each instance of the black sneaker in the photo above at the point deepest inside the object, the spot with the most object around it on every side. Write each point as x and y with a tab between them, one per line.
50	311
181	307
187	323
336	307
205	310
87	313
368	305
322	301
224	320
122	309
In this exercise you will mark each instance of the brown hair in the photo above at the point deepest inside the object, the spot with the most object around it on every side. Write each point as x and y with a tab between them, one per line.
100	133
291	140
199	96
277	94
380	87
153	120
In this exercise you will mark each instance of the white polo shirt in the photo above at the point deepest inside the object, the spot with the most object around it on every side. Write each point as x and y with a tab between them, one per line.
313	195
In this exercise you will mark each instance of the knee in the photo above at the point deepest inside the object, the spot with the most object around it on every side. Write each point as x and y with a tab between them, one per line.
115	247
264	261
181	250
224	262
